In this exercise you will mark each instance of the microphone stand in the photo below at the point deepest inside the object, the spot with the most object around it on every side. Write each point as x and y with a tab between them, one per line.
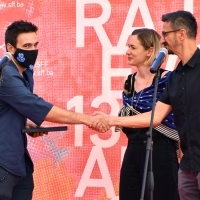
149	149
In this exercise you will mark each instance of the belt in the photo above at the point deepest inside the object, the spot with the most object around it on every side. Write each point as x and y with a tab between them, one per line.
154	141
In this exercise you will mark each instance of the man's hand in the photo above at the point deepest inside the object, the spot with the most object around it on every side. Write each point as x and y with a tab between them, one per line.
37	134
100	122
30	125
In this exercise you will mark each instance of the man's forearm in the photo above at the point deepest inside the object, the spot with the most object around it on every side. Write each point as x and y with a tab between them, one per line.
62	116
136	121
143	120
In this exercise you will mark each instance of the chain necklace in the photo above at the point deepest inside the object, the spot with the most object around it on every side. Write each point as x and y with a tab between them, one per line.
140	92
137	99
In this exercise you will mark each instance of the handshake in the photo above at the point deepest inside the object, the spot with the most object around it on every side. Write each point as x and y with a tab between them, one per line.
100	122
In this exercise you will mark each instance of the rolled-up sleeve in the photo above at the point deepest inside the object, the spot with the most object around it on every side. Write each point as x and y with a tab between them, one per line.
165	95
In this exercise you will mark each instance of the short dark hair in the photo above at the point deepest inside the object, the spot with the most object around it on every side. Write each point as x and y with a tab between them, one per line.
16	28
182	20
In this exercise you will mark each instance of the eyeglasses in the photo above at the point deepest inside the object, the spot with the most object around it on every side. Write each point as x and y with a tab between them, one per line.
164	33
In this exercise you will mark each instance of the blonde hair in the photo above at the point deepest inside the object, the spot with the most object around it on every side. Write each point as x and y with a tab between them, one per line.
148	38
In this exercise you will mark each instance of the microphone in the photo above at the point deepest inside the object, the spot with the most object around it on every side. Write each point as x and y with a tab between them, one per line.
158	60
7	56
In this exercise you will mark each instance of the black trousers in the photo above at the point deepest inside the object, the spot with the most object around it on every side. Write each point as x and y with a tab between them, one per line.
14	187
165	170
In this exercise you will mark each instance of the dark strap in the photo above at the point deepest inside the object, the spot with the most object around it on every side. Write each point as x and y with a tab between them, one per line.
129	83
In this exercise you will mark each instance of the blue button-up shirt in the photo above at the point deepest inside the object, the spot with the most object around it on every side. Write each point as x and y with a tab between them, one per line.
17	103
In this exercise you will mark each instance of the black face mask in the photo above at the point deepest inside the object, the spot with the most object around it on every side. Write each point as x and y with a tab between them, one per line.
26	58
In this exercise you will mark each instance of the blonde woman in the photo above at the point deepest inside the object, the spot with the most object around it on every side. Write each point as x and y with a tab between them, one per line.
143	46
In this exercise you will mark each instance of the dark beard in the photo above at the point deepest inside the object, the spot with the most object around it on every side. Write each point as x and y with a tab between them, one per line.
170	52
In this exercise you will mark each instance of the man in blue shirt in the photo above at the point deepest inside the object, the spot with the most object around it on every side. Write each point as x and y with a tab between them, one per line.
17	104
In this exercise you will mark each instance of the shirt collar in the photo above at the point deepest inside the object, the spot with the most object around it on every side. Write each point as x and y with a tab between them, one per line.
192	62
